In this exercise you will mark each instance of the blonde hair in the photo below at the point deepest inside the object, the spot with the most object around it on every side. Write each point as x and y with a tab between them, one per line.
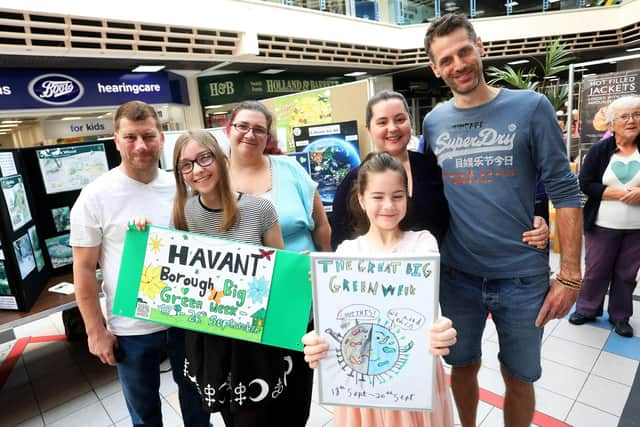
223	187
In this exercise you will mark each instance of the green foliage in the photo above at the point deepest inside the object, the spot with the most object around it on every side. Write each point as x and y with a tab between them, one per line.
556	60
557	95
520	79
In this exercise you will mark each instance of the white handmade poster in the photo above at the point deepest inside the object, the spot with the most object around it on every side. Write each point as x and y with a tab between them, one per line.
375	314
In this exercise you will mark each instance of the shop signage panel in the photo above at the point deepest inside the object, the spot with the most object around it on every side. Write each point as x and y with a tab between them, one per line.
238	87
54	129
50	89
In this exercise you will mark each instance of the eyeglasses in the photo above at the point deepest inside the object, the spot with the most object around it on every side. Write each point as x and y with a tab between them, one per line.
626	117
203	160
242	128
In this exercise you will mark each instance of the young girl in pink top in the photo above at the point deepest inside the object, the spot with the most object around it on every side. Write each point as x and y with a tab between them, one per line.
379	207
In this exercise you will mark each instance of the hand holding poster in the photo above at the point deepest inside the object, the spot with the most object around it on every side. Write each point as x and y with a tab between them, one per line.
215	286
375	314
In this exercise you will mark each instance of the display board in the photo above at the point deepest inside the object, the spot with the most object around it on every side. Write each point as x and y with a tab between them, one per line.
15	197
215	286
341	103
328	152
375	314
71	168
57	175
22	264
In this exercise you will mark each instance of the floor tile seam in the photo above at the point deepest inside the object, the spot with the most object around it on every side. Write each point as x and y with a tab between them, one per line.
67	401
21	422
562	394
622	354
495	400
479	422
577	399
26	341
37	400
21	345
569	366
573	405
113	422
581	343
604	350
46	374
612	380
87	379
37	404
76	410
12	360
599	409
566	396
106	396
85	374
171	406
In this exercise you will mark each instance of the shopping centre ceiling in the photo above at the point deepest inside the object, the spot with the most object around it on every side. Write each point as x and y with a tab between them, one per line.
45	40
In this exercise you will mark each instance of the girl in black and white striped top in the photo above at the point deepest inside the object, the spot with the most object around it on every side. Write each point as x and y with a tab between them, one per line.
222	367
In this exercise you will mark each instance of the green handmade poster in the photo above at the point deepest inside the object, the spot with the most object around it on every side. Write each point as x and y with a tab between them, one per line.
216	286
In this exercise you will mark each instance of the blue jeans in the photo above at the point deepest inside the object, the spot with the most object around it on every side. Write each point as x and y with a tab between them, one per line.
139	372
513	303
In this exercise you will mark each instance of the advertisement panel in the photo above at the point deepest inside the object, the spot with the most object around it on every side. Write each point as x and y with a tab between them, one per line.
598	92
332	152
308	108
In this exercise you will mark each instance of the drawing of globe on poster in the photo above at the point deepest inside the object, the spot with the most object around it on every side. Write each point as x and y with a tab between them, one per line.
71	168
310	108
374	312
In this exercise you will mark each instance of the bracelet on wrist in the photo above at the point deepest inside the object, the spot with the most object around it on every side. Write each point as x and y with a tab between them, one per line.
569	283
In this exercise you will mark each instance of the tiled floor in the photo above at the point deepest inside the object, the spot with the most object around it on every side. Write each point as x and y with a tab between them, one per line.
588	377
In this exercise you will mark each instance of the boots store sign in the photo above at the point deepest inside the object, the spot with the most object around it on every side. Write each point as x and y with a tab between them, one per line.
41	89
56	89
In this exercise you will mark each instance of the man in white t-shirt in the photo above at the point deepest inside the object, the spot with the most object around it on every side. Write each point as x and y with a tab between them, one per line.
98	224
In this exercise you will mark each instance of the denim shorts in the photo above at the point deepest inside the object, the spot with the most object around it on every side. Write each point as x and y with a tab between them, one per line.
513	304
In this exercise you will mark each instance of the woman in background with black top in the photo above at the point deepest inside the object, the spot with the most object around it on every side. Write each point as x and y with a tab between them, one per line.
389	126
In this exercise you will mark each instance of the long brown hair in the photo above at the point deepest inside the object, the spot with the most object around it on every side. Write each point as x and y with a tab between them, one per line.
375	163
223	187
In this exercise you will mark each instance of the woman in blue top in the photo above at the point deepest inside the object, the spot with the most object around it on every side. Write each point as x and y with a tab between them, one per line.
304	224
